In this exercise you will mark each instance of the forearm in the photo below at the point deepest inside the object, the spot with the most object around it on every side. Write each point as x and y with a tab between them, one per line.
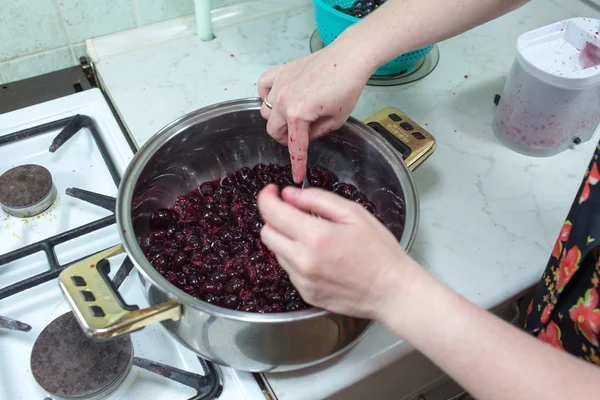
487	356
400	26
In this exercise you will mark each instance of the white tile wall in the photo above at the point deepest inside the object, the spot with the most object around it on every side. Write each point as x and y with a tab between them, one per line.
40	36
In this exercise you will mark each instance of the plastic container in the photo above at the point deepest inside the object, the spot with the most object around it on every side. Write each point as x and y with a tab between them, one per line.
331	23
552	96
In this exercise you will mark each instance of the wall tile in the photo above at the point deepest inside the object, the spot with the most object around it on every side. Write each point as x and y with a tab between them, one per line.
37	64
29	26
78	51
92	18
151	11
30	29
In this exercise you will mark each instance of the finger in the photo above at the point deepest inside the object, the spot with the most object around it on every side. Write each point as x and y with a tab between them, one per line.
320	202
265	111
288	265
265	82
276	241
298	146
283	217
277	128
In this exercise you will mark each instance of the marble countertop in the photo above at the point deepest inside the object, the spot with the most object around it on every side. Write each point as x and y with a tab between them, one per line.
489	216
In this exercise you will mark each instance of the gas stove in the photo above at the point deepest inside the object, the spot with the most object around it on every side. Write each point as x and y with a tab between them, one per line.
75	152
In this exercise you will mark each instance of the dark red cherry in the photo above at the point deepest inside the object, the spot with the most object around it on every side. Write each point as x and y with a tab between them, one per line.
157	236
193	280
161	262
296	305
248	308
220	277
345	189
163	217
244	175
211	298
212	219
230	301
214	288
207	189
370	207
228	180
234	286
179	260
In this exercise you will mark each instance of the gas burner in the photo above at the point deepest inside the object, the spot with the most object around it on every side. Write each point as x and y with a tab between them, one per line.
26	190
423	68
68	365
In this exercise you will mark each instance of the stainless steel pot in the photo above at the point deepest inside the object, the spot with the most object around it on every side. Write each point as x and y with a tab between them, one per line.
204	145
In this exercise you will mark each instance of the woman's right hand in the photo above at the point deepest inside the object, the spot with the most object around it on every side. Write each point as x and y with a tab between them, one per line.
312	96
348	263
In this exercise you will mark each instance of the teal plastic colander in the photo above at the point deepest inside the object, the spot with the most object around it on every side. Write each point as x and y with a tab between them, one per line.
331	23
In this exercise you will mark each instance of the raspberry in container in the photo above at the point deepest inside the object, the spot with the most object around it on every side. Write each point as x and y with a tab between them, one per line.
552	96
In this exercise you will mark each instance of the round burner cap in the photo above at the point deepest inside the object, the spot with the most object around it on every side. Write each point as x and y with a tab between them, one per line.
69	365
26	190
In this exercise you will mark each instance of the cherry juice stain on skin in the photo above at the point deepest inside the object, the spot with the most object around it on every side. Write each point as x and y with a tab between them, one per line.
208	243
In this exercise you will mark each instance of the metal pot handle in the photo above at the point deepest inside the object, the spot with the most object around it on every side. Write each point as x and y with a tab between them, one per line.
410	139
97	304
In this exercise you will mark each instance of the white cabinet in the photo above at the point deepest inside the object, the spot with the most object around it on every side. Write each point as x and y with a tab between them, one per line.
415	377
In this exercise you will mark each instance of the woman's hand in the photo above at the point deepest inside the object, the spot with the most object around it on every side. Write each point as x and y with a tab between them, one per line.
312	96
349	264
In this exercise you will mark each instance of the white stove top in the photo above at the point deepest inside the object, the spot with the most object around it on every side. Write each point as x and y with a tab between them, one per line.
79	163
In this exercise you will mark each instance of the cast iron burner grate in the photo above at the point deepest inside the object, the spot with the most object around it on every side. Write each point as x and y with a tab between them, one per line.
70	126
207	386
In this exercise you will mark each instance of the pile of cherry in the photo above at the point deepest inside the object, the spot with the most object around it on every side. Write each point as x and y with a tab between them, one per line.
208	243
361	8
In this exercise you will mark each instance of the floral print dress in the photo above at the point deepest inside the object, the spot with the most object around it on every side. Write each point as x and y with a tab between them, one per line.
565	310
